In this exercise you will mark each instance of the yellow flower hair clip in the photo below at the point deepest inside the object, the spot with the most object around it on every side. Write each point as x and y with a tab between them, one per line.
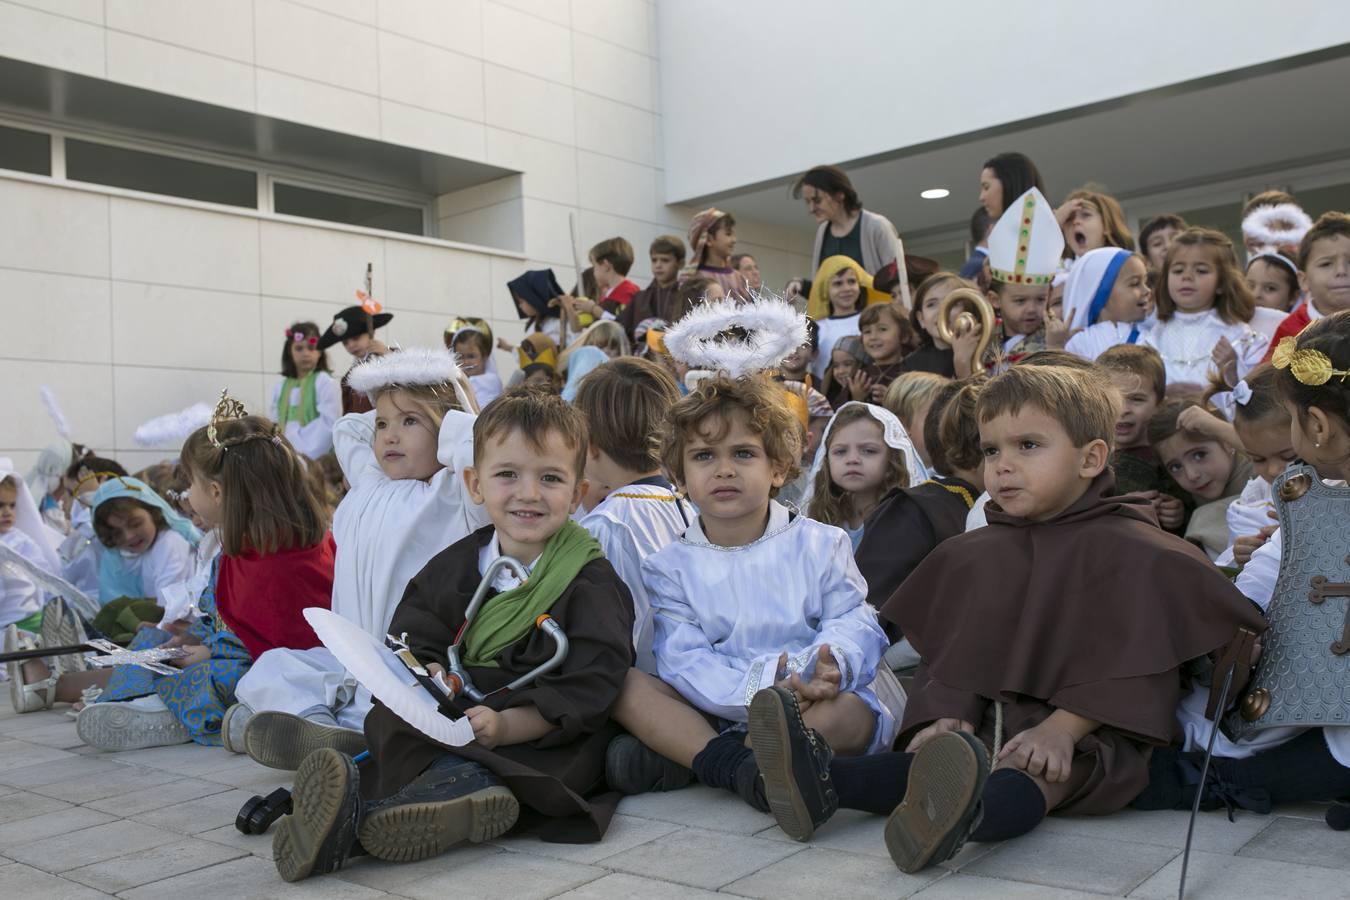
1308	366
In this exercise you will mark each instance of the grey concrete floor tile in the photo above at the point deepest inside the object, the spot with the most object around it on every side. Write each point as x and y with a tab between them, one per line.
188	760
167	794
242	772
63	852
831	873
1215	876
246	878
15	724
1316	811
849	830
1304	841
1075	863
706	859
64	768
20	881
959	886
60	735
519	876
16	756
625	832
23	805
622	886
110	783
62	821
259	845
197	815
699	807
1213	831
392	877
157	863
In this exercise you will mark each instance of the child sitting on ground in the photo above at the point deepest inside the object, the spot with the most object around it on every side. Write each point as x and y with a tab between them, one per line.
1210	471
633	509
540	746
1044	649
145	547
407	503
751	595
865	454
1140	379
81	551
276	560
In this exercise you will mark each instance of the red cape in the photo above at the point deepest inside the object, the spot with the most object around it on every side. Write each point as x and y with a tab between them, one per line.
261	597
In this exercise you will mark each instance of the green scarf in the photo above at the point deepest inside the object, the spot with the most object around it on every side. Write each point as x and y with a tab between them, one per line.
506	618
307	411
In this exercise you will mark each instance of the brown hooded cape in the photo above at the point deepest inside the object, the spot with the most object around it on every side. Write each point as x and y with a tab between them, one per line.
559	779
1094	612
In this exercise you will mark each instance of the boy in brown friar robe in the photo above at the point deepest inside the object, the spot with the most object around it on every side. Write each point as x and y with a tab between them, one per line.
1036	634
538	754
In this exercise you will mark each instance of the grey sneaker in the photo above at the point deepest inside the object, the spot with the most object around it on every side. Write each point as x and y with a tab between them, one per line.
282	740
233	725
133	725
61	627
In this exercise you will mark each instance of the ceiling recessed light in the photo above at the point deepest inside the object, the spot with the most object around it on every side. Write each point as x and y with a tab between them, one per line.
934	193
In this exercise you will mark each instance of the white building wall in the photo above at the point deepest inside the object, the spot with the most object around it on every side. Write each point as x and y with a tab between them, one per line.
831	82
131	306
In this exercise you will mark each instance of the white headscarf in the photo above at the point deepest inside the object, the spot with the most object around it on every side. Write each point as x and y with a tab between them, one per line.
892	432
1086	281
28	520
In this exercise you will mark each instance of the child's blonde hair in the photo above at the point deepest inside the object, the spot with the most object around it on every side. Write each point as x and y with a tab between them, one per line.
431	400
609	336
268	502
909	393
832	504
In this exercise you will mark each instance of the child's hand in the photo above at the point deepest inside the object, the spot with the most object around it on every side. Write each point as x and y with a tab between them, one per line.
1225	360
1057	332
1245	546
504	344
858	385
1171	512
1064	215
487	725
941	726
878	393
963	348
825	681
1194	418
1045	750
193	655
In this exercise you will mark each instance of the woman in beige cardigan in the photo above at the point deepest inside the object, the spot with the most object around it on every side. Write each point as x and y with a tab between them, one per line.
846	229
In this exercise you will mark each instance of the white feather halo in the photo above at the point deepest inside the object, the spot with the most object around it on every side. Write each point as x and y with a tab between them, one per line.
54	410
1280	225
773	329
411	367
173	429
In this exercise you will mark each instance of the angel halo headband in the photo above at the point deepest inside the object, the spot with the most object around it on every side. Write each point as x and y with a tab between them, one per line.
1280	224
1308	366
410	367
737	338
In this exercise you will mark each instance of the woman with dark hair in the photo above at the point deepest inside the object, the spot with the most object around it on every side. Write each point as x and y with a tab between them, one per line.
1004	178
846	229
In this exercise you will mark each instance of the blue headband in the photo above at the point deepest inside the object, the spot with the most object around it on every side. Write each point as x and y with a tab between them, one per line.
1105	286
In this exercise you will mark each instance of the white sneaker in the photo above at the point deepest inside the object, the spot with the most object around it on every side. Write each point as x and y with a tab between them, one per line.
132	725
232	727
61	627
26	697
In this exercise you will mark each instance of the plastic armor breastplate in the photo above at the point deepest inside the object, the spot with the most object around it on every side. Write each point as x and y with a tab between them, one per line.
1303	676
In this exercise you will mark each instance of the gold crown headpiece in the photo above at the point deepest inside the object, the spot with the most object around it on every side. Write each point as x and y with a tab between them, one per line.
226	410
1308	366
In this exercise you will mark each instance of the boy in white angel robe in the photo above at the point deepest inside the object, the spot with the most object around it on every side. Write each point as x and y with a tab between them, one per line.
386	531
724	616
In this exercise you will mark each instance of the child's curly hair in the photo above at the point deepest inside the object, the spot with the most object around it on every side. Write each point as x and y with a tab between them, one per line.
706	412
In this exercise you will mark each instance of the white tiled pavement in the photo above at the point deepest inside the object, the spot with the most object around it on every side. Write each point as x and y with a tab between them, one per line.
76	823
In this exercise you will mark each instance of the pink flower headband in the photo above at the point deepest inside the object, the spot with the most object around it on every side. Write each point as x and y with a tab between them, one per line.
300	337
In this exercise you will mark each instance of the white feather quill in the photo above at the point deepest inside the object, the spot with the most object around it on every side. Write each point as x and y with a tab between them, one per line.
172	430
54	410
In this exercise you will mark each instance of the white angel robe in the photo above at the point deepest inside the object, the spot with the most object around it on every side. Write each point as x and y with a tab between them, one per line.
1095	340
1186	343
20	597
724	615
180	600
316	438
631	524
386	531
1247	515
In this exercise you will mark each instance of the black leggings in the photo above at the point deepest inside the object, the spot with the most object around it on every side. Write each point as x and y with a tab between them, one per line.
1295	772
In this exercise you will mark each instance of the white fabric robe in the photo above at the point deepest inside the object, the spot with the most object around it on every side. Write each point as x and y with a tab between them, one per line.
1187	340
19	596
631	524
723	616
